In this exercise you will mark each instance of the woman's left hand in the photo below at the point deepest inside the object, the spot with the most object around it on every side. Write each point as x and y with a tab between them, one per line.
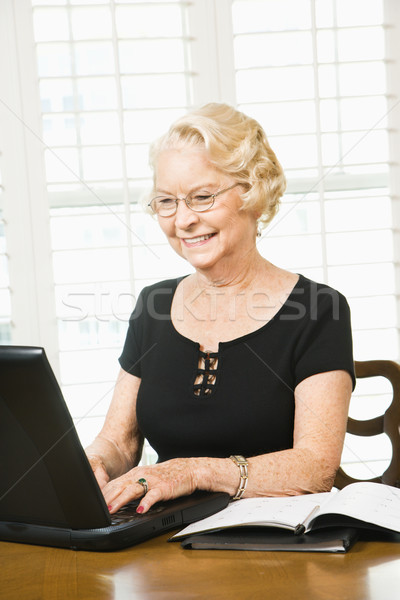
165	481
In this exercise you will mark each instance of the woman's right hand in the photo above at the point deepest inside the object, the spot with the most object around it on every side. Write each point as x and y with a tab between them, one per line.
99	470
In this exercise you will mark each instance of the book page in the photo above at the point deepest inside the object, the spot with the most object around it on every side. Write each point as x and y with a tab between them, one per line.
284	512
370	502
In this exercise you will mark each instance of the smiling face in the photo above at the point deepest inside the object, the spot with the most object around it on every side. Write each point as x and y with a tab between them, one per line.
216	238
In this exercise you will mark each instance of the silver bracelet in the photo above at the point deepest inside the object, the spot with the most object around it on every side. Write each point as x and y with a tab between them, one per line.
242	463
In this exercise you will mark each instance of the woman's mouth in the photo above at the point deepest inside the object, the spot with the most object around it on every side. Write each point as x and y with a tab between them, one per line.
200	239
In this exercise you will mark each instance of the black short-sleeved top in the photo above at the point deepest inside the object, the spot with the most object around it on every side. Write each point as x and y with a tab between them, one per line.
249	409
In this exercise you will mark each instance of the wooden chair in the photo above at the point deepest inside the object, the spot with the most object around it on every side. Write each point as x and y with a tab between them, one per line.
388	423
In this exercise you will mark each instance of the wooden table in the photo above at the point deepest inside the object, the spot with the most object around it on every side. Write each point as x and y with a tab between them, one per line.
161	571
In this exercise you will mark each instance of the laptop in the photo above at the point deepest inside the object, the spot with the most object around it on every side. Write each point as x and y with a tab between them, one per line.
48	492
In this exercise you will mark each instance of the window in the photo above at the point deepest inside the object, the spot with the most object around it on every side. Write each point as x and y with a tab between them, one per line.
5	302
108	78
324	103
327	120
109	85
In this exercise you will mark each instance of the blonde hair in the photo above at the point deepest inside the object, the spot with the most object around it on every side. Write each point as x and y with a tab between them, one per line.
236	145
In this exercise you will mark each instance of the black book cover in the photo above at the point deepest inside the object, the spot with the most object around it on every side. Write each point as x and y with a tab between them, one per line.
277	540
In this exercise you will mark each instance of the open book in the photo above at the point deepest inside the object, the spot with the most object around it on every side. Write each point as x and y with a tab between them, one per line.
359	505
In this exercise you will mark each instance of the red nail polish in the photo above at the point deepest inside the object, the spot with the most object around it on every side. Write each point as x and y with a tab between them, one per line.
109	507
140	509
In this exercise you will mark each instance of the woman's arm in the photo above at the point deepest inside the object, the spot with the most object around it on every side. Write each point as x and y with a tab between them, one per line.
321	407
118	446
321	410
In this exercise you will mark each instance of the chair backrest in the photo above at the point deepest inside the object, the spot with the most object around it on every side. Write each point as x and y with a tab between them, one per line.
388	423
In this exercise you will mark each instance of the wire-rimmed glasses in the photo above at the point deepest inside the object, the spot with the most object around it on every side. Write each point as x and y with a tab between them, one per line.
166	206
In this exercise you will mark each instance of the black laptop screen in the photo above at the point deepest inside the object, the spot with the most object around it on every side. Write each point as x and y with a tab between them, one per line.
37	483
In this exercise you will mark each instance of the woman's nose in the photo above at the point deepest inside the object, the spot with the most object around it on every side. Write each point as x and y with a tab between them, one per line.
184	217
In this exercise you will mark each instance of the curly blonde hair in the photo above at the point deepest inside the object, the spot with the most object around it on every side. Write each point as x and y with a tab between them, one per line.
236	145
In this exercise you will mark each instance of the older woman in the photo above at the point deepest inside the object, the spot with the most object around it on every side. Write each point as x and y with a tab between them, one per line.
240	373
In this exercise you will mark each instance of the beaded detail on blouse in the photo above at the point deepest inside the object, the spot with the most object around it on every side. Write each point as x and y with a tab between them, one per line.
206	376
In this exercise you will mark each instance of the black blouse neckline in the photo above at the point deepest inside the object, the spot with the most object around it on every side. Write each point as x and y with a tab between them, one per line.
301	280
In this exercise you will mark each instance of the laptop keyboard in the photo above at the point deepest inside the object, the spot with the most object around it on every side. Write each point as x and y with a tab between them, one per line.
128	513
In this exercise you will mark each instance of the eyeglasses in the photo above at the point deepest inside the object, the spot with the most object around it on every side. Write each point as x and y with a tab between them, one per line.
166	206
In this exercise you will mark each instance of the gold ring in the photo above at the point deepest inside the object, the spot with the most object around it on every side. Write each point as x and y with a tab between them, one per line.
144	485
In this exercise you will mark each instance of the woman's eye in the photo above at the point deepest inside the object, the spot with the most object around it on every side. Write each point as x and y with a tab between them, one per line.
200	198
166	201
